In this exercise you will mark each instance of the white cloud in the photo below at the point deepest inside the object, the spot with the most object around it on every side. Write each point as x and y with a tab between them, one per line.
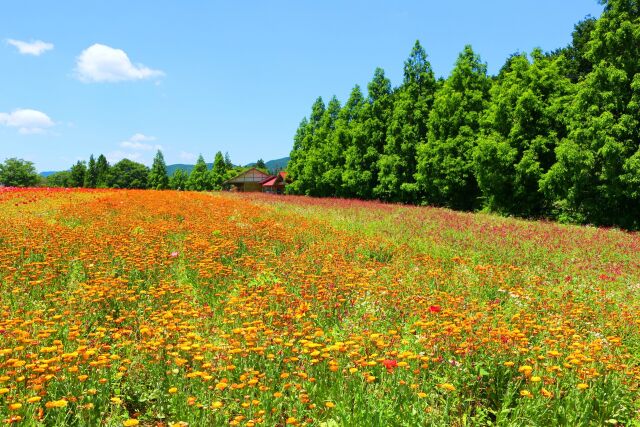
100	63
189	157
140	137
117	155
27	121
137	142
35	48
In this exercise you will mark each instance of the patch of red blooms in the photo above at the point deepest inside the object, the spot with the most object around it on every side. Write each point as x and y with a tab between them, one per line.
435	309
390	364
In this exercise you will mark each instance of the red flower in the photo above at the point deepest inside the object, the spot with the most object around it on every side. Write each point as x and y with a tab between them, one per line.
390	364
435	309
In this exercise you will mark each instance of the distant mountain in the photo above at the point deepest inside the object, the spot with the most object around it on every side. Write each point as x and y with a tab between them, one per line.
272	165
276	164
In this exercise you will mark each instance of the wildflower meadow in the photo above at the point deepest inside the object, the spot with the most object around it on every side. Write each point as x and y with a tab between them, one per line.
166	308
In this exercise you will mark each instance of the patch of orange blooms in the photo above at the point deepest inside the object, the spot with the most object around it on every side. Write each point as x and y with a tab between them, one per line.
214	308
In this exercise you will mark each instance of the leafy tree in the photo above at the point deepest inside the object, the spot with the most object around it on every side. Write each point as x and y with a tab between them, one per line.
368	139
227	161
77	174
595	178
59	179
178	181
91	177
520	130
445	162
18	173
260	164
321	155
303	145
158	178
102	172
407	128
199	176
218	171
128	174
578	66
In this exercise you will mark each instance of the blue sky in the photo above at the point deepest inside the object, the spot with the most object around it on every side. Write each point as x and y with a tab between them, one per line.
126	77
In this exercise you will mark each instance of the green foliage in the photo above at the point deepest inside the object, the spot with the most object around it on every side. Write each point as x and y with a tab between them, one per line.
368	138
91	177
178	181
445	172
596	174
520	130
77	174
102	171
407	129
199	179
128	174
18	173
218	171
59	179
158	179
553	135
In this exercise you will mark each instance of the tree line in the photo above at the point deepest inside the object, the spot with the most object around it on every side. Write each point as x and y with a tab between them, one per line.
552	135
98	173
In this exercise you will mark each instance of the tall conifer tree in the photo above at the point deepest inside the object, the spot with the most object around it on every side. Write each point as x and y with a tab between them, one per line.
407	128
158	178
445	171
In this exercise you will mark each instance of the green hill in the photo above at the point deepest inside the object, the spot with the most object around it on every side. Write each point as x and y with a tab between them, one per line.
272	165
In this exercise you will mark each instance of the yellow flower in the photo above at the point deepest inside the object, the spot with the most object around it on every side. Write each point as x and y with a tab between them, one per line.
15	406
583	386
546	393
131	422
173	390
422	395
116	400
536	379
525	393
34	399
508	364
329	404
217	404
4	390
447	386
221	386
56	404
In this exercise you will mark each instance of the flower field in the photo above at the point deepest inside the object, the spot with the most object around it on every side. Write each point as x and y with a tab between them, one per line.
175	308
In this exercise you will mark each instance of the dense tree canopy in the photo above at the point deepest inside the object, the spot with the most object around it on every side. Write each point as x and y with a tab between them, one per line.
18	173
128	174
553	134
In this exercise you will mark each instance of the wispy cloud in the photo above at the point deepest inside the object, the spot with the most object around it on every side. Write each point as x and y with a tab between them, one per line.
27	121
117	155
137	142
187	157
100	63
35	48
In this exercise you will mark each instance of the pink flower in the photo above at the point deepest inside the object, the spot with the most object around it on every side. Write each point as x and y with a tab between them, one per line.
174	254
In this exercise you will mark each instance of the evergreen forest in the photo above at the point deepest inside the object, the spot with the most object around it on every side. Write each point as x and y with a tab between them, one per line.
552	135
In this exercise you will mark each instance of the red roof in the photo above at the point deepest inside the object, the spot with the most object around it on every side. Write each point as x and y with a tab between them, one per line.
270	182
273	180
